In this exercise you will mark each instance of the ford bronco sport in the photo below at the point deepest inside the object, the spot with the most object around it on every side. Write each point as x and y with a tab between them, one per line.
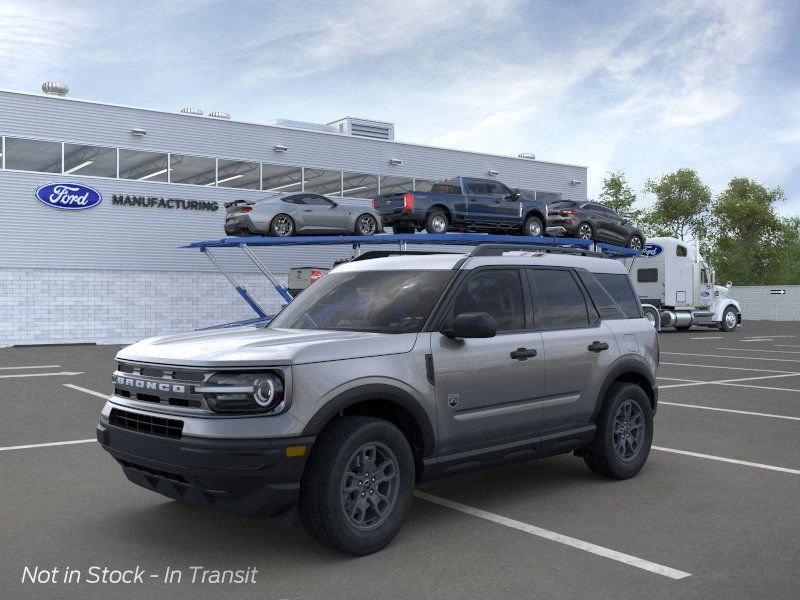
386	373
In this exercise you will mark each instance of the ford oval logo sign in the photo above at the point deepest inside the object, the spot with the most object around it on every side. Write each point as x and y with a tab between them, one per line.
68	196
652	250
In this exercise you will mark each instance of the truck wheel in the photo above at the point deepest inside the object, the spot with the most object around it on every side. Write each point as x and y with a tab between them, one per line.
358	485
533	227
282	226
729	320
366	224
624	433
436	222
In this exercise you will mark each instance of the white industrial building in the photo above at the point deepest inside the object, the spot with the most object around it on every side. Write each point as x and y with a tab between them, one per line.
114	272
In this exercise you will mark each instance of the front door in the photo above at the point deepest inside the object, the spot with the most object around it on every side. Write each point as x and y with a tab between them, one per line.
578	348
488	390
322	214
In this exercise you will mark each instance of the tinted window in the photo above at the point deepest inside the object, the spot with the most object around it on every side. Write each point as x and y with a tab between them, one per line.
360	185
321	181
446	187
317	200
379	301
278	178
90	160
613	295
497	189
647	275
143	166
197	170
425	185
394	185
239	174
497	292
560	300
680	251
299	199
478	187
33	155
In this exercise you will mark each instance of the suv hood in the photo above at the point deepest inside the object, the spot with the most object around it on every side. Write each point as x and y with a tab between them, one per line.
256	346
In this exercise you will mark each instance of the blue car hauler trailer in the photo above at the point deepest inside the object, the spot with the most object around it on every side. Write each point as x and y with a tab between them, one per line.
499	242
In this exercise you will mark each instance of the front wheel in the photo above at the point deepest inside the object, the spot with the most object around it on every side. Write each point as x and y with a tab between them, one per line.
358	486
635	243
729	320
366	224
585	231
624	433
281	226
533	227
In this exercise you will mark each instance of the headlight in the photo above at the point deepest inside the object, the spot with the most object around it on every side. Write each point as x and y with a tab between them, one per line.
244	392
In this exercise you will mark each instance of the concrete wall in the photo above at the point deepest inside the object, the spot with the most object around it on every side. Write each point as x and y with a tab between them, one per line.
39	306
759	304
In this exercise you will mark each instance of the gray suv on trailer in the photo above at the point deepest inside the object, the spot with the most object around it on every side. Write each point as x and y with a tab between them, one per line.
385	373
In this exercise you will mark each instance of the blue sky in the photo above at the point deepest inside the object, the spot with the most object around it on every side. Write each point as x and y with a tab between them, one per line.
641	87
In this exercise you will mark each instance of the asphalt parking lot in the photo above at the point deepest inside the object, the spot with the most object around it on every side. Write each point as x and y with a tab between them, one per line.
714	514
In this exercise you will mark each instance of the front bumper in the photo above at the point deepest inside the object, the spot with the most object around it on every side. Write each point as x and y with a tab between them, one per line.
248	477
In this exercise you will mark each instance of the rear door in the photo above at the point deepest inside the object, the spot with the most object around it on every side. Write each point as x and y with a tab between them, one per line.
480	201
484	395
578	348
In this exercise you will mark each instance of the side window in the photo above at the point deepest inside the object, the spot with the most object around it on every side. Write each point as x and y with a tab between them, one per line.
498	189
298	199
477	187
444	187
647	275
560	300
681	251
703	276
497	292
613	295
315	200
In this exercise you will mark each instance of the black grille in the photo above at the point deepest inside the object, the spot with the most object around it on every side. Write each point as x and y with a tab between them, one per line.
169	428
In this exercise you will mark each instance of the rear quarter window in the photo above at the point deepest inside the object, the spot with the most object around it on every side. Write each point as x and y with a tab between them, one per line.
613	295
446	187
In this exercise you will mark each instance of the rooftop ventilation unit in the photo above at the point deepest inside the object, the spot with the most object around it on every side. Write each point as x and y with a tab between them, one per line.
376	130
303	125
53	88
527	155
192	110
219	115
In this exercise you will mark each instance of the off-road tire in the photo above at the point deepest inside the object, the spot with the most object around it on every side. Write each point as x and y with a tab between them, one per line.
602	457
321	507
430	221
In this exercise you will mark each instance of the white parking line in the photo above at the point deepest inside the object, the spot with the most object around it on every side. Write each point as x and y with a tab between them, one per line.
760	350
739	357
30	367
65	373
728	381
85	390
729	410
672	364
68	443
708	337
762	387
727	460
556	537
756	340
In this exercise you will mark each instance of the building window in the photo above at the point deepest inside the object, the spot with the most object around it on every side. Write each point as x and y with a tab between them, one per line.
320	181
238	174
33	155
359	185
396	185
143	166
280	178
90	160
423	185
196	170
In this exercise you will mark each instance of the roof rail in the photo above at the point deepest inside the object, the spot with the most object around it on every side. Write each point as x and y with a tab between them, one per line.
499	249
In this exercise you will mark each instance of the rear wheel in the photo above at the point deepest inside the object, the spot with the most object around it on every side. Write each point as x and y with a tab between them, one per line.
366	224
281	226
624	433
436	222
585	231
533	227
358	486
729	320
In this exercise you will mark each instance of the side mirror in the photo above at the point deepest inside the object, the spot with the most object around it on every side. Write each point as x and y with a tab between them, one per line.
334	204
514	195
472	325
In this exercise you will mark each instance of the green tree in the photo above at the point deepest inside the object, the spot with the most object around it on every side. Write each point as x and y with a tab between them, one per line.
618	195
681	206
751	244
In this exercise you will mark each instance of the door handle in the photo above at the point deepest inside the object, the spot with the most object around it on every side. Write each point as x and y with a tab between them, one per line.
523	353
596	346
307	210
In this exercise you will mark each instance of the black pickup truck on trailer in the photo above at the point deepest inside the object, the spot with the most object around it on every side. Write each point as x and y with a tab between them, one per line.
465	204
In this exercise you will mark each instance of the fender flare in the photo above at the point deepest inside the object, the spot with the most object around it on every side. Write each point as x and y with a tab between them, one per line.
375	391
723	307
623	366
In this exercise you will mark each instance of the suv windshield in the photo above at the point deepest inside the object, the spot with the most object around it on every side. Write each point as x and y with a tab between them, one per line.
377	301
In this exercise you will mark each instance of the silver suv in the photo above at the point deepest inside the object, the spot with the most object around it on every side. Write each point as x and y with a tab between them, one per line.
386	373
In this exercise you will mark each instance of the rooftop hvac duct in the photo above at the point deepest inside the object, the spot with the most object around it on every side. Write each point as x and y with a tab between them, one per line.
527	155
53	88
219	115
192	110
376	130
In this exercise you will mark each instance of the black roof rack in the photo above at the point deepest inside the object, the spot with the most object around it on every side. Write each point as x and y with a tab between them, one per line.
499	249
